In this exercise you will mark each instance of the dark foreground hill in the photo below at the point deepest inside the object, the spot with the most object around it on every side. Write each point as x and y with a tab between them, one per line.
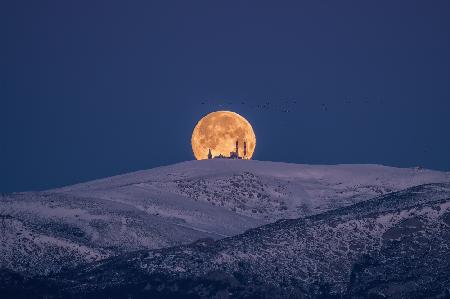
394	246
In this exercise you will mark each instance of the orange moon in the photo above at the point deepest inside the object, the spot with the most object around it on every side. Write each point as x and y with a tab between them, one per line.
219	132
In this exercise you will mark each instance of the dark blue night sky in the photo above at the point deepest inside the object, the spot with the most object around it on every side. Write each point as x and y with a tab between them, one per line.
90	89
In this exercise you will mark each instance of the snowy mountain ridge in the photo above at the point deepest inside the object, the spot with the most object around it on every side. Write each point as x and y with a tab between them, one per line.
44	232
262	190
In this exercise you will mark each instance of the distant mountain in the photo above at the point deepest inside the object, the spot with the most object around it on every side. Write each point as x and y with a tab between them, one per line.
394	246
45	232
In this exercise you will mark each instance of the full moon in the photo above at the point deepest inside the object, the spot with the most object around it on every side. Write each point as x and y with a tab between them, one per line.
219	131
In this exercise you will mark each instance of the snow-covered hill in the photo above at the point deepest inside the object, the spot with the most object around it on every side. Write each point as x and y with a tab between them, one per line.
260	190
42	232
394	246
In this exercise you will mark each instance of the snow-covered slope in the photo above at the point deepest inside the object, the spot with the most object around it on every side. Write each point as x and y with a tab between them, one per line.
42	232
258	189
394	246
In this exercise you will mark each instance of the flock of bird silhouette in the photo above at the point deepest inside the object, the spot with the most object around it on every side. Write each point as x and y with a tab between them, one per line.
287	105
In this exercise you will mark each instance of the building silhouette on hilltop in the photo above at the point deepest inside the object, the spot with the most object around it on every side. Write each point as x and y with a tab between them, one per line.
233	155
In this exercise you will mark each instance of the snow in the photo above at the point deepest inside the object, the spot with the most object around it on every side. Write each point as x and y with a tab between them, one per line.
182	203
292	190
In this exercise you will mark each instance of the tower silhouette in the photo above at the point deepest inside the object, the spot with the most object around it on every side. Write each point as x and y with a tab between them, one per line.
209	154
245	149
